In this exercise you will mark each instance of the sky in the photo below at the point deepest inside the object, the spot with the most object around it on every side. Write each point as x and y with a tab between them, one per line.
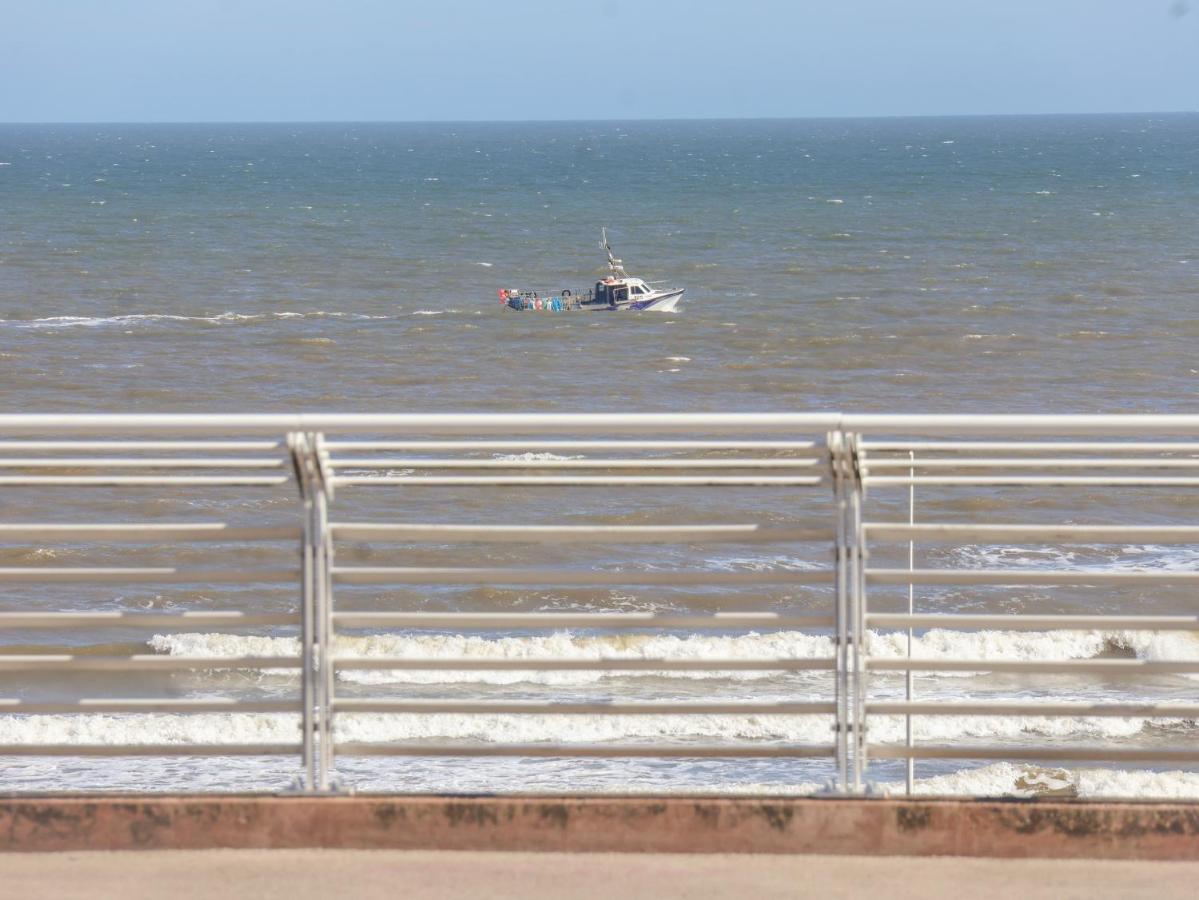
455	60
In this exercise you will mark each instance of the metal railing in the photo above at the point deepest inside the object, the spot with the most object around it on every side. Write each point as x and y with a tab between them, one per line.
869	482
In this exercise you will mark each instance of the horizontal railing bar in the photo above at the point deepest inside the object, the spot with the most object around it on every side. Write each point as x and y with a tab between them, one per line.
149	749
616	751
140	663
156	574
513	707
1032	708
247	424
1031	481
648	463
568	534
580	620
896	531
1014	622
581	480
148	705
1038	666
1026	576
126	462
1031	446
143	480
1024	751
443	446
1033	463
465	575
78	445
1048	424
200	531
185	620
474	664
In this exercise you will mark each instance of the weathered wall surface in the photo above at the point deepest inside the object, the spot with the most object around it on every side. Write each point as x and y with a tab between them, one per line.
629	824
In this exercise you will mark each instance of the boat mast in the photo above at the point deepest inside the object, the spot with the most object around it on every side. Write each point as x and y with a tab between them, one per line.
614	264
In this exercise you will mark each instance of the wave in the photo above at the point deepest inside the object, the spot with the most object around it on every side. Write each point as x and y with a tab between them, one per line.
501	775
1036	645
151	728
245	728
136	318
532	457
1016	780
1086	557
1005	779
725	728
1002	779
561	645
942	643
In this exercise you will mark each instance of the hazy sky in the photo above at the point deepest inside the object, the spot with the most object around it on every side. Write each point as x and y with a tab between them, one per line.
291	60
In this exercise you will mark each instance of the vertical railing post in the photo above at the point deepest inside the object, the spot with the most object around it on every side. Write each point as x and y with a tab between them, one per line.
856	613
323	546
316	615
296	445
909	693
844	492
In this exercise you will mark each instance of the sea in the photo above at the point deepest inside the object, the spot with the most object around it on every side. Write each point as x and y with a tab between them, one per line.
989	264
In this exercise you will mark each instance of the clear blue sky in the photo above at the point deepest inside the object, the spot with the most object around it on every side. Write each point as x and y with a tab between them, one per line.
300	60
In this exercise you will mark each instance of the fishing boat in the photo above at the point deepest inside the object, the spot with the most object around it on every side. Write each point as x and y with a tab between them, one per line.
618	291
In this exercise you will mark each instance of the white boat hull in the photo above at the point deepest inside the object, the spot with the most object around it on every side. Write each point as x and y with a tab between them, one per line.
664	301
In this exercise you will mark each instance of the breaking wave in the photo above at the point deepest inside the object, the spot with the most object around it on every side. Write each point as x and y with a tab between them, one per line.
982	645
139	318
250	728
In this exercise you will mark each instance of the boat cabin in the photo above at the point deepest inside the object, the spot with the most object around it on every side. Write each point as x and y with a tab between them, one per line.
619	291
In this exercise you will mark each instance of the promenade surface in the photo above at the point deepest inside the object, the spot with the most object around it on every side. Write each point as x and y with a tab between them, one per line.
432	875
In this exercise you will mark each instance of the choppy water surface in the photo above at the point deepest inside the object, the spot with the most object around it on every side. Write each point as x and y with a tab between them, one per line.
943	265
920	264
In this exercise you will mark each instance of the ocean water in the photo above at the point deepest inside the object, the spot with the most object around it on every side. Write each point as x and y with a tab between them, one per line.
923	265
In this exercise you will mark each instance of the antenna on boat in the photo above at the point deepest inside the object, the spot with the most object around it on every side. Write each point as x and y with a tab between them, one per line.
614	264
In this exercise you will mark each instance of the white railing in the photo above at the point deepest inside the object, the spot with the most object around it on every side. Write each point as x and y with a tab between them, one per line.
889	478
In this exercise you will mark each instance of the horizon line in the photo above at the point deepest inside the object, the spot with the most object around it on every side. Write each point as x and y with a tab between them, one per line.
1012	115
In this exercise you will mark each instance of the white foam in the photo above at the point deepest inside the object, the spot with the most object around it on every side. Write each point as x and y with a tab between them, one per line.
501	728
136	318
561	645
531	457
937	643
567	729
153	728
1016	780
242	728
763	563
1088	558
1092	783
98	321
990	645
